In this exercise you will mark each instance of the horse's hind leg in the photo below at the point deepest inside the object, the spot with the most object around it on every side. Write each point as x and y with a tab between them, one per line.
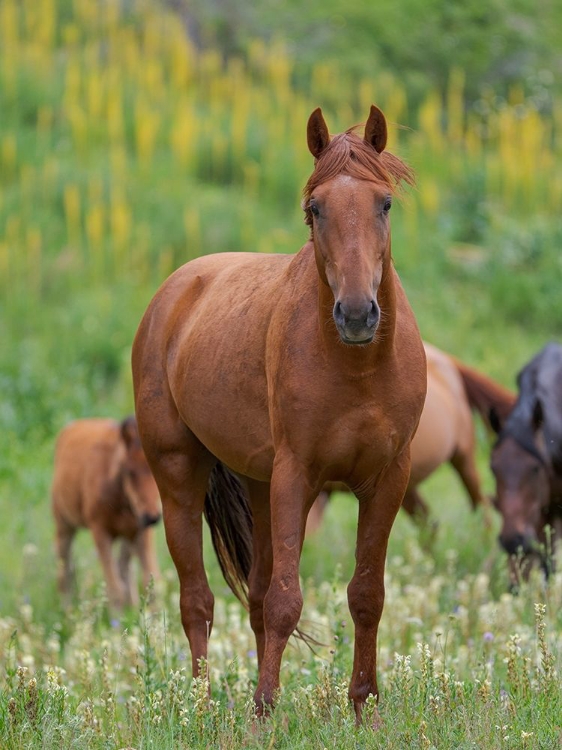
260	574
416	507
181	466
464	464
316	513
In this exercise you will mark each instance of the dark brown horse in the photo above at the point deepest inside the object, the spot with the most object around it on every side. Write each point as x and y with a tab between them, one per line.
445	432
288	371
102	482
527	464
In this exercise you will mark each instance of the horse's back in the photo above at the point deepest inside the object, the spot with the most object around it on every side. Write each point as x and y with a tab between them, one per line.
212	282
204	303
81	464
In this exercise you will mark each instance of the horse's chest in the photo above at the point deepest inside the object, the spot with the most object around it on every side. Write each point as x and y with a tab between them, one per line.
126	525
355	435
120	522
365	432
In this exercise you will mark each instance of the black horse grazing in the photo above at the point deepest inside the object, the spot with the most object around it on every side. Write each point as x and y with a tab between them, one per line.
527	464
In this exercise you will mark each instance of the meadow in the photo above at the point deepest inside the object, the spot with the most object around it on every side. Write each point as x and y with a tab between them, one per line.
123	154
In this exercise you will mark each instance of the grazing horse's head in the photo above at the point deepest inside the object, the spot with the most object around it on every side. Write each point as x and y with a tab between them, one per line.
347	202
522	487
139	484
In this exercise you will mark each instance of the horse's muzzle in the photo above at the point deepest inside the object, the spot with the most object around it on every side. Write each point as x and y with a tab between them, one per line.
149	519
357	324
515	544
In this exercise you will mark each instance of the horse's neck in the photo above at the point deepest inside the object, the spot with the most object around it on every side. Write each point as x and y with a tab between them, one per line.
113	489
360	356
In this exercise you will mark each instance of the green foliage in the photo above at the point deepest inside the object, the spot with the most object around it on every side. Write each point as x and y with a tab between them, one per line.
210	155
497	43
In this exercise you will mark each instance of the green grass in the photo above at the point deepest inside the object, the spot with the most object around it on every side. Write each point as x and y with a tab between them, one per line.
473	667
478	252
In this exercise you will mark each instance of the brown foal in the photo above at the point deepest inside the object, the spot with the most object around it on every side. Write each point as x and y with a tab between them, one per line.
102	482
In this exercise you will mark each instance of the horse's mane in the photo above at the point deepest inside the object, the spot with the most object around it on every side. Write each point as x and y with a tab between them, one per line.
519	427
349	154
539	386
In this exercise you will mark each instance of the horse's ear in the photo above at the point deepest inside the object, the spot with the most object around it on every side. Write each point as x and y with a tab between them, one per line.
375	129
317	134
129	432
495	420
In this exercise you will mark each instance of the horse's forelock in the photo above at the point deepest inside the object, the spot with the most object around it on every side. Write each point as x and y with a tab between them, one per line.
349	154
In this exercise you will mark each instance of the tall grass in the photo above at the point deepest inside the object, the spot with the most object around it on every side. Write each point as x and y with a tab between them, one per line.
115	133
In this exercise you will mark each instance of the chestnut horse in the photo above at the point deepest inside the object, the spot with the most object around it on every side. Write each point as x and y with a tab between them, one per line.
527	463
102	482
445	432
288	371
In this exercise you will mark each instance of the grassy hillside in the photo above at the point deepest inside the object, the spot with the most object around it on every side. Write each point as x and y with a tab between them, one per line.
123	154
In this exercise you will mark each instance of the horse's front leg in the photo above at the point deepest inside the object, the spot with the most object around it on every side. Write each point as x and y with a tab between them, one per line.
146	551
292	494
115	589
129	585
378	506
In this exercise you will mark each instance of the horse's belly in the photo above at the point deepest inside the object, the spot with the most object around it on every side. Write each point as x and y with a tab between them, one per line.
241	440
433	444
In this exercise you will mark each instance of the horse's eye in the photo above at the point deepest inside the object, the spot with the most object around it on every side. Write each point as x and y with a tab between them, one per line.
314	208
387	205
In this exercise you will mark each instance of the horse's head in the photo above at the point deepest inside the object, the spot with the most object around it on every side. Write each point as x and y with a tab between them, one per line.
522	496
347	202
139	484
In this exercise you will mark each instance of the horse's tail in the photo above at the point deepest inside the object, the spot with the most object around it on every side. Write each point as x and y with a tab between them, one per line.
229	517
228	514
490	399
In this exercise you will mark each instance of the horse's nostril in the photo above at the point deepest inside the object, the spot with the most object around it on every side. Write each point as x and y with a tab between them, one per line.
374	314
338	312
150	519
